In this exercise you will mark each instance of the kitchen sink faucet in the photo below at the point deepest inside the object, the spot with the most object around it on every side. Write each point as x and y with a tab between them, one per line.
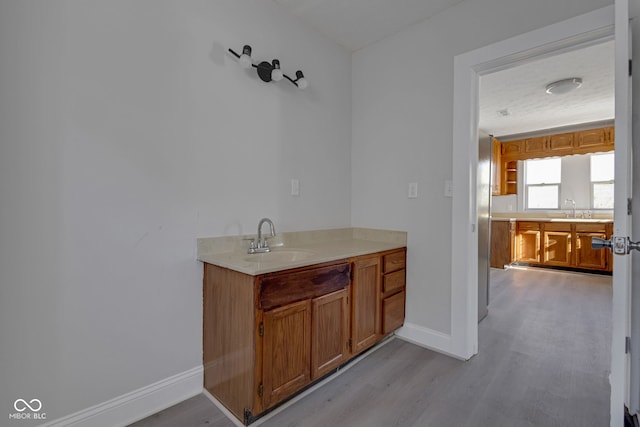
261	245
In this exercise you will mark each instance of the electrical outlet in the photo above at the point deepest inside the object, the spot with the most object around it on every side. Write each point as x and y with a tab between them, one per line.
413	190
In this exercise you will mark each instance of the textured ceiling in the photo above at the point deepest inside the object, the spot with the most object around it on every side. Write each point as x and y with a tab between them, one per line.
521	91
355	24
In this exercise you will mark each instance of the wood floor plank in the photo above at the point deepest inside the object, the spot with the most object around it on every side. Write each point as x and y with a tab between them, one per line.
543	360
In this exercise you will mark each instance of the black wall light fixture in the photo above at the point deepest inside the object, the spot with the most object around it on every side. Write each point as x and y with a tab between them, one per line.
268	71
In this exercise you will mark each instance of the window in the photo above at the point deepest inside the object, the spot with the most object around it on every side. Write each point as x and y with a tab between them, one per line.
542	183
602	173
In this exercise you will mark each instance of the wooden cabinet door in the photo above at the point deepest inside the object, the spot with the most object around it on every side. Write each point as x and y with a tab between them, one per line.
528	242
536	145
365	321
561	143
512	148
557	244
587	257
330	340
591	138
286	354
501	251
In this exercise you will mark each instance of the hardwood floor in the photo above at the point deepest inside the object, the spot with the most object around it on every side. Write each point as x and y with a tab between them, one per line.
543	361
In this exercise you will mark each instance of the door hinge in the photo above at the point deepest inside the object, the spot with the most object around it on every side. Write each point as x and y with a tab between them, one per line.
627	345
350	343
261	329
351	275
630	67
629	206
260	390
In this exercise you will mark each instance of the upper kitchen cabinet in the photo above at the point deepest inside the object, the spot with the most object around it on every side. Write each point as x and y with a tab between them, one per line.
558	144
561	144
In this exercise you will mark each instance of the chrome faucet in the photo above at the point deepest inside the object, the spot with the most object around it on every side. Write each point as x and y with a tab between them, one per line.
260	245
573	206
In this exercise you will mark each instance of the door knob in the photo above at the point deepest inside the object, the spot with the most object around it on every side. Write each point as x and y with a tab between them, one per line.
618	245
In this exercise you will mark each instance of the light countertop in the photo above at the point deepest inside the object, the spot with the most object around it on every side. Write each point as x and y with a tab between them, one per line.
297	249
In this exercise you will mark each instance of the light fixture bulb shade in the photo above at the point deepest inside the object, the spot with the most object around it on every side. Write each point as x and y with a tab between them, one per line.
564	86
245	58
244	61
276	75
302	83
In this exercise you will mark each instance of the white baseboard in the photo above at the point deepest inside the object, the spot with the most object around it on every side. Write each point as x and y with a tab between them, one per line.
428	338
138	404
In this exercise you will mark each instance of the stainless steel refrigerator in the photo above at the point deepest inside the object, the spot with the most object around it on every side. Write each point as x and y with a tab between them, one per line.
483	200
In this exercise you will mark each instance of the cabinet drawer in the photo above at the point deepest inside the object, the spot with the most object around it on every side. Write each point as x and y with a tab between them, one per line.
281	289
393	312
394	261
528	226
393	281
590	228
557	226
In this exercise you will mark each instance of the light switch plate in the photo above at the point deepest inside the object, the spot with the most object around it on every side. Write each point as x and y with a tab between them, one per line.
295	187
448	188
412	193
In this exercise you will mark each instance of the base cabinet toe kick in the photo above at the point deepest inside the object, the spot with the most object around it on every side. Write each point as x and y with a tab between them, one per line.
268	337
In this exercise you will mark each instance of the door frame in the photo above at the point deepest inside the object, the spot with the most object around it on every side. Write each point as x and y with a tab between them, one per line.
583	30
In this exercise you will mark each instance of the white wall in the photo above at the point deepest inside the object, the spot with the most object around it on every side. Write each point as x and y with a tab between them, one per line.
402	132
126	131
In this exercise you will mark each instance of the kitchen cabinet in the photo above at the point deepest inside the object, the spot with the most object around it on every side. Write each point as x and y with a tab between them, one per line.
563	244
509	178
366	303
556	243
536	145
591	258
528	242
512	148
267	337
561	144
502	243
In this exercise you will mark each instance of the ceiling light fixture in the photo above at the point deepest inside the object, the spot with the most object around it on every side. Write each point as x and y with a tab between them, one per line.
564	86
268	71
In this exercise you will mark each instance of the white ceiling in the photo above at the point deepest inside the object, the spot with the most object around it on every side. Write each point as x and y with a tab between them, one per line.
355	24
521	91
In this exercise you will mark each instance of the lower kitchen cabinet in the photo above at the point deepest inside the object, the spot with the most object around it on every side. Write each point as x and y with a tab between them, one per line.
528	242
503	233
563	244
267	337
556	244
598	259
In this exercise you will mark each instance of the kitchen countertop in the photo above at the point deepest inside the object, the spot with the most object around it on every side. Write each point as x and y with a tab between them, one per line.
297	249
551	219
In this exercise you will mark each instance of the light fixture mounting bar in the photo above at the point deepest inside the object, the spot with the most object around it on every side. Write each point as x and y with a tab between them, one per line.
268	71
